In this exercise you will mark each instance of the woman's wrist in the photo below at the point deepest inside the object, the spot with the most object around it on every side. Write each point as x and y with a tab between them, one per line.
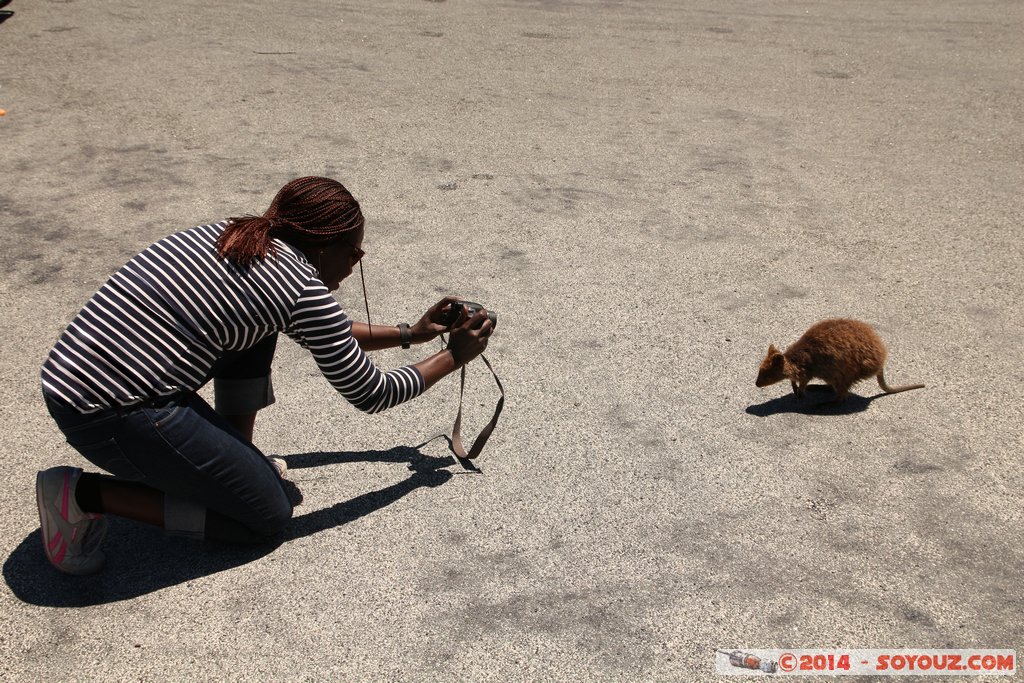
437	366
404	335
420	335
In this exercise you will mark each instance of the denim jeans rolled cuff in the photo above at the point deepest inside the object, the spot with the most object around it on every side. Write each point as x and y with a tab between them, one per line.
242	396
183	517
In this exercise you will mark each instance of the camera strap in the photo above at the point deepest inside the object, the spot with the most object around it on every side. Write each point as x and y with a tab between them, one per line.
485	433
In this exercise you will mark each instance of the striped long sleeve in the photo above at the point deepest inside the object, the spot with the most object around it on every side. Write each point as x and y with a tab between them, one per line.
159	323
321	326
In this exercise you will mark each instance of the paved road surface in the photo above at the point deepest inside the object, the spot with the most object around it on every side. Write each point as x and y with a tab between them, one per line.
648	193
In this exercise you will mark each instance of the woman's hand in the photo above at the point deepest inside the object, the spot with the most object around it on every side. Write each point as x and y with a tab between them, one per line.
431	324
468	340
469	336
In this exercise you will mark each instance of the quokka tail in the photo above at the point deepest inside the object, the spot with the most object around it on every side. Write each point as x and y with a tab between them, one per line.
895	390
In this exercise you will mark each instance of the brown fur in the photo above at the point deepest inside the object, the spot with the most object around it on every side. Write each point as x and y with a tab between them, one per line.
840	351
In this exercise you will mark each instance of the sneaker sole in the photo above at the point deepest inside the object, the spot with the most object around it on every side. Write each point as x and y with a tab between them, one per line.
44	518
45	528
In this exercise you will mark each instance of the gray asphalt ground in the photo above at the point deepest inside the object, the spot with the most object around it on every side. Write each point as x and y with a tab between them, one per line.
648	194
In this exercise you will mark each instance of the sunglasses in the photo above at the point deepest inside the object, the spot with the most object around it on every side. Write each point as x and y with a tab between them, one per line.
357	253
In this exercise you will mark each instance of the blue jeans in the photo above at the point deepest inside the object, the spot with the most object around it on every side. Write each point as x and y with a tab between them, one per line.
181	446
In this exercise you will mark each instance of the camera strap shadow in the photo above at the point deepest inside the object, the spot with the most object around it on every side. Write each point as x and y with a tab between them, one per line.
485	433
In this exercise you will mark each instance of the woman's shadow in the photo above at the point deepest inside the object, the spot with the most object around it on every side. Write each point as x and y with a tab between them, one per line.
142	559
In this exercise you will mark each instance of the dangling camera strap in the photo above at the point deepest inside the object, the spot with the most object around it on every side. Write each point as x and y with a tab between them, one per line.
485	433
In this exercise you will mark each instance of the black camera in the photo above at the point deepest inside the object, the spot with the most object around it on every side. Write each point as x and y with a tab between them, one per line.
471	308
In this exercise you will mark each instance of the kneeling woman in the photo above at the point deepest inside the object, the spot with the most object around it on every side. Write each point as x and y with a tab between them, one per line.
208	303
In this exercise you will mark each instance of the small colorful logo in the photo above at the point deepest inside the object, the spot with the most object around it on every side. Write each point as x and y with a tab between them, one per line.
894	662
745	660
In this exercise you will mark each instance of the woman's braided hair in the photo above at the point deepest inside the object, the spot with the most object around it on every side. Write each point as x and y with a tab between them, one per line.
307	211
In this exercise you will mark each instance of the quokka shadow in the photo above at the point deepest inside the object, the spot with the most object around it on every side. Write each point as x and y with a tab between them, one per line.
789	403
142	559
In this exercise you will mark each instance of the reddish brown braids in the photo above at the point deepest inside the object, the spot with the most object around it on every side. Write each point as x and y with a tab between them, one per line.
306	211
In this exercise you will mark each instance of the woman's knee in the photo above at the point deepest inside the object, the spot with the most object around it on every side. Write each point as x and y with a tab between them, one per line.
277	519
271	518
263	526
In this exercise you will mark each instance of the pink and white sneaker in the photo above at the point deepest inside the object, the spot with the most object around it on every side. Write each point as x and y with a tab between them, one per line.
71	538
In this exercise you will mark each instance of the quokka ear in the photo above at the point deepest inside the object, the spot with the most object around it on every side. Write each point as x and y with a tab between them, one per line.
772	351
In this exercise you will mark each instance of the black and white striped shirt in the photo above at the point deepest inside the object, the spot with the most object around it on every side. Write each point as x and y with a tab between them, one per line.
159	323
